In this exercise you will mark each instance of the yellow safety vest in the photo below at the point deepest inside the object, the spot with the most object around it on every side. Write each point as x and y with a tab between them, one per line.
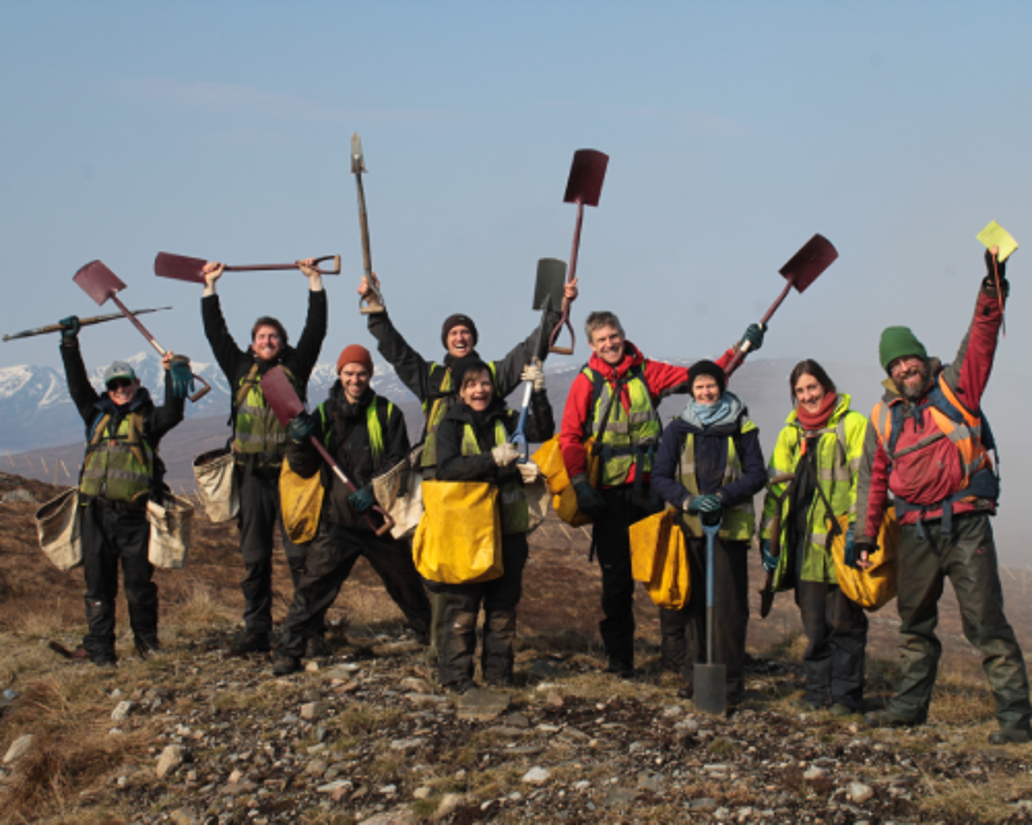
739	520
119	465
511	495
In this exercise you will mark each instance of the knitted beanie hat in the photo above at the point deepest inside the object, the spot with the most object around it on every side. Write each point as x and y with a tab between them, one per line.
898	342
458	320
355	354
706	368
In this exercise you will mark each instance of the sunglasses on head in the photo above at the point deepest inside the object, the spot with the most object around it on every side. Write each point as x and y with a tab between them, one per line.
119	383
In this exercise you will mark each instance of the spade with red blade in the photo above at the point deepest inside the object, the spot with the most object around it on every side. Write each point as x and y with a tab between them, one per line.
802	269
100	283
183	268
286	404
584	187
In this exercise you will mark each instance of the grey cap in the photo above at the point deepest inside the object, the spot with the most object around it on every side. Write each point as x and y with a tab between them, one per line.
118	369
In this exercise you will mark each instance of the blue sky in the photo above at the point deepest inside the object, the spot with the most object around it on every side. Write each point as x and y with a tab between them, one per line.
735	130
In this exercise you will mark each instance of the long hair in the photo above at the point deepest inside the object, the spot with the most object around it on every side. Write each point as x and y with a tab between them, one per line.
809	367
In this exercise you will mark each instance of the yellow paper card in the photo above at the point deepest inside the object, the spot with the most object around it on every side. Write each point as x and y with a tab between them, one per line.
996	235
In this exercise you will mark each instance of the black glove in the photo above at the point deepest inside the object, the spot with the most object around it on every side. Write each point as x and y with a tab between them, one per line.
182	378
849	553
71	328
860	547
301	427
589	500
363	498
989	281
754	335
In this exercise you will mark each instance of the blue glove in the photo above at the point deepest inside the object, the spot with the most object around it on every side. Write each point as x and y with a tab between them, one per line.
709	503
301	427
589	500
71	328
850	555
754	336
362	499
770	562
182	379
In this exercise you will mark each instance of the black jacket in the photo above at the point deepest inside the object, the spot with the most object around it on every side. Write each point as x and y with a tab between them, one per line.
452	465
349	444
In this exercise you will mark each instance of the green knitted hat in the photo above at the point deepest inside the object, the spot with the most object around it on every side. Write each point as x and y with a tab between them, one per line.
897	342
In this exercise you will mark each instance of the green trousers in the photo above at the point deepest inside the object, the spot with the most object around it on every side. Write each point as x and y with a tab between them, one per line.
968	556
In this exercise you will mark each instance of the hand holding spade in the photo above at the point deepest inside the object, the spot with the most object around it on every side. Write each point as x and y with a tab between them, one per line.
313	275
370	292
212	271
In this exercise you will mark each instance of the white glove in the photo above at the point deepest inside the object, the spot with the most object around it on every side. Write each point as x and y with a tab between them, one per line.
530	472
534	372
505	454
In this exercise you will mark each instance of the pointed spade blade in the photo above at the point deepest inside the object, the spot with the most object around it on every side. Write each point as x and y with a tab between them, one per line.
357	159
97	281
281	395
803	268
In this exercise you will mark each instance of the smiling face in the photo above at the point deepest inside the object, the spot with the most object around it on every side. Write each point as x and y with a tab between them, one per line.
477	389
809	393
460	341
705	390
267	343
122	390
608	344
355	379
910	375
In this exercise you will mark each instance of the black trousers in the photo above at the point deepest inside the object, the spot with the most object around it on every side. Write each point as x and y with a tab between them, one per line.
109	534
259	518
684	631
624	506
499	598
330	557
836	628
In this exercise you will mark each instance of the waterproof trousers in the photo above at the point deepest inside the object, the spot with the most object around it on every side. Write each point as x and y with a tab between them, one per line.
836	629
612	544
499	598
684	631
112	531
330	557
259	518
968	556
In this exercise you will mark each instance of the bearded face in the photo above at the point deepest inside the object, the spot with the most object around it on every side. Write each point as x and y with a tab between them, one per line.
910	375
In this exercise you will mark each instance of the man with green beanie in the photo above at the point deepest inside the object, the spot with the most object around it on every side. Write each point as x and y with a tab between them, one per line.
928	445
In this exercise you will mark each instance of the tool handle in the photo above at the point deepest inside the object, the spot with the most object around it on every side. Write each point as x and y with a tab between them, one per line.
136	323
565	319
371	306
388	522
999	293
519	437
736	361
83	322
203	391
295	265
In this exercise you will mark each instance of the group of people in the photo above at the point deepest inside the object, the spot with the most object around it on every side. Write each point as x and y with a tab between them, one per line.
925	449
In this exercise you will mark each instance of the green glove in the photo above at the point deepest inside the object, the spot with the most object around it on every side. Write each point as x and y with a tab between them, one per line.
71	328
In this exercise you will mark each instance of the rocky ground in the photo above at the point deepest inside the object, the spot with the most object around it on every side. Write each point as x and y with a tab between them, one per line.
365	736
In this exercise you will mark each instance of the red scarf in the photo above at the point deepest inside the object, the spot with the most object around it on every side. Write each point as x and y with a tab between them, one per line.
816	421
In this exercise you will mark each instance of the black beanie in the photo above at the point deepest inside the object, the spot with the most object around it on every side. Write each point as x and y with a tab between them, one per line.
458	320
706	368
460	366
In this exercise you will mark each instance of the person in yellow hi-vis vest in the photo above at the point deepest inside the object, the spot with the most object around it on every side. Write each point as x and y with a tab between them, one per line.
709	466
820	446
120	472
473	445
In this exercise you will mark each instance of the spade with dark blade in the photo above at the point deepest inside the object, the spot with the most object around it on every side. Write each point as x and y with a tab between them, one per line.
709	679
358	167
286	405
184	268
548	293
584	187
100	283
802	269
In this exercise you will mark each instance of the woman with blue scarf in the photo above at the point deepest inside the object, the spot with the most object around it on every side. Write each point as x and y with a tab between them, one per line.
709	467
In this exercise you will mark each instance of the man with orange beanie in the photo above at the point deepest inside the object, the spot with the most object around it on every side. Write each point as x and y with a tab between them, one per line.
365	433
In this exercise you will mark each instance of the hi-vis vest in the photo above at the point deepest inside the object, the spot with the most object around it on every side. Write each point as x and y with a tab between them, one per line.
511	495
255	426
119	465
839	448
630	436
968	432
739	520
373	427
436	406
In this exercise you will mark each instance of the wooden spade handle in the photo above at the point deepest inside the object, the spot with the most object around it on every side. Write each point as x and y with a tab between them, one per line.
273	267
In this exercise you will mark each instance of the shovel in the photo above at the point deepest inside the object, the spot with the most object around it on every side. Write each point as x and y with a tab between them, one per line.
548	293
710	680
802	269
767	593
583	187
183	268
100	283
83	322
283	399
358	167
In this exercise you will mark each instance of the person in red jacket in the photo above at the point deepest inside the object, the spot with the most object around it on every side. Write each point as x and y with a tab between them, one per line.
927	444
627	434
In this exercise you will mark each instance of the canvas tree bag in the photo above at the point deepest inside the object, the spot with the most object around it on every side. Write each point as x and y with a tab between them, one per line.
217	484
170	518
57	523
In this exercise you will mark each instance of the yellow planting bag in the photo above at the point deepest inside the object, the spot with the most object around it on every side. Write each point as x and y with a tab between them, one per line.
874	587
549	460
459	538
301	501
659	559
